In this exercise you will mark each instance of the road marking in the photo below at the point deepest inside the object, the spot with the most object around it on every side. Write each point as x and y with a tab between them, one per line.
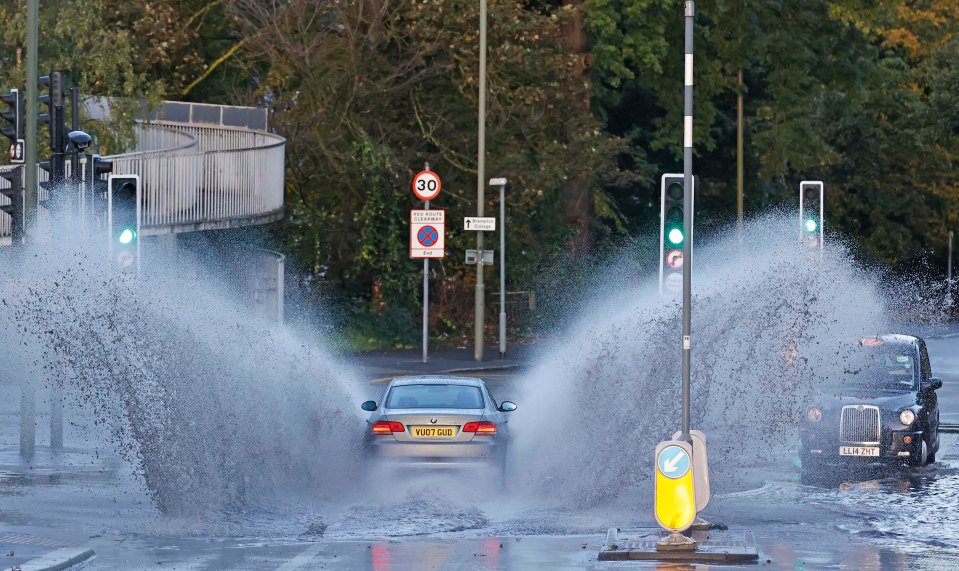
303	558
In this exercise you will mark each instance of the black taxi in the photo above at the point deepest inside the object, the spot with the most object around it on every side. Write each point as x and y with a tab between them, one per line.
880	405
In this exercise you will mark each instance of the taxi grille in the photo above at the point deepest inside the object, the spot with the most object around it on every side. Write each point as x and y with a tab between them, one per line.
859	423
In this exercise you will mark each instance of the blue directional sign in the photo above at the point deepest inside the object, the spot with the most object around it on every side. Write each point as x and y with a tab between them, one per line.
673	462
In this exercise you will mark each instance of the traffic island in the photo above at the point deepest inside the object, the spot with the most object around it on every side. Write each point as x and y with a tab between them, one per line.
58	560
714	546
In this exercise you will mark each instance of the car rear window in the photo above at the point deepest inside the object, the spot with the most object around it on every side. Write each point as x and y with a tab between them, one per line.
434	396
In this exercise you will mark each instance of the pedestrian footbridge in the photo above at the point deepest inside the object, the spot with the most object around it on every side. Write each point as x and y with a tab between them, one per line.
202	167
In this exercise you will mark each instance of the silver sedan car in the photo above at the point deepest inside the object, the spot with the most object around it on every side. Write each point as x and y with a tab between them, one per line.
438	421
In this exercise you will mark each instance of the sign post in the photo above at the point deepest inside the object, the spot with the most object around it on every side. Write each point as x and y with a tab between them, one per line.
675	492
426	186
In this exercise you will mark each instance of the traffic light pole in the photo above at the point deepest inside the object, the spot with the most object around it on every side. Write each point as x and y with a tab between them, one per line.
30	147
28	397
690	13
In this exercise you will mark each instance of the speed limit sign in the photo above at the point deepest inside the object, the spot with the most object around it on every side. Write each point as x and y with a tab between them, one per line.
426	185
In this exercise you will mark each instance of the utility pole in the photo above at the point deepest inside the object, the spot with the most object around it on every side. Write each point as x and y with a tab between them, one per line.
30	146
479	320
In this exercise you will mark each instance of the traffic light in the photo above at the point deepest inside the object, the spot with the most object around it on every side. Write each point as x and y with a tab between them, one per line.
13	126
15	209
672	234
53	99
123	220
811	208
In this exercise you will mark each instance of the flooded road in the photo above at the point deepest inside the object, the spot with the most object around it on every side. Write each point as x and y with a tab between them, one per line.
201	440
890	519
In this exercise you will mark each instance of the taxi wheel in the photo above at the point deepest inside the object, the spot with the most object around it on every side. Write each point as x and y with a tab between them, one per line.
918	458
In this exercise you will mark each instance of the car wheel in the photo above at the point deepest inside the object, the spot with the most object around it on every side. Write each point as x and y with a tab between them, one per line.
810	470
501	473
918	458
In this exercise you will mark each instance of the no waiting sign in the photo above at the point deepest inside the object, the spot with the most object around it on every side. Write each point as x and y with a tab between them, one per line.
427	233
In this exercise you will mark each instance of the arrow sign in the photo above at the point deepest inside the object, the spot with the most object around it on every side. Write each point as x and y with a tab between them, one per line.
675	495
669	466
486	224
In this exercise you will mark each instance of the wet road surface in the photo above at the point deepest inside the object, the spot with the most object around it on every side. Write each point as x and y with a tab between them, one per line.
894	519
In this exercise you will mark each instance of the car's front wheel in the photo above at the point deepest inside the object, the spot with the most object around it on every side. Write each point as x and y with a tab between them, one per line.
920	454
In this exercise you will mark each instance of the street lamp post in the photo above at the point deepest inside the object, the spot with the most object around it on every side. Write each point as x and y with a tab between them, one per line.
949	273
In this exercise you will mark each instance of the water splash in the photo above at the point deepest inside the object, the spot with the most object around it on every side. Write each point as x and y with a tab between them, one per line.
766	313
217	411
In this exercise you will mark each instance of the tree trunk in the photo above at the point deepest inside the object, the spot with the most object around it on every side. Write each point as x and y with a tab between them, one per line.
578	207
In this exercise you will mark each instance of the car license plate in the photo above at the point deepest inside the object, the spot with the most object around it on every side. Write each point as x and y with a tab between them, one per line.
434	432
859	451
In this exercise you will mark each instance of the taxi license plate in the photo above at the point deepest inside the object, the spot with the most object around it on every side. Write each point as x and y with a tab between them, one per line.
859	451
434	432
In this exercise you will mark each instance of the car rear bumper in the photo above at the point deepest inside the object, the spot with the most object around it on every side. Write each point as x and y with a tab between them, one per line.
435	454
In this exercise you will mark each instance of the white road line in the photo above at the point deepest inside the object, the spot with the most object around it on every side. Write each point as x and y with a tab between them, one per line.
303	558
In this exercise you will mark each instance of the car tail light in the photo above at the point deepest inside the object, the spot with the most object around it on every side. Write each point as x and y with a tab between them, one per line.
484	427
387	427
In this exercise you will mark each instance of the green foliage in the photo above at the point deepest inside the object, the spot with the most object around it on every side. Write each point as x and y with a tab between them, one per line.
584	113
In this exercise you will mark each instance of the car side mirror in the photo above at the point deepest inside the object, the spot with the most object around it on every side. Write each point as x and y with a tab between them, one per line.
932	384
507	406
369	406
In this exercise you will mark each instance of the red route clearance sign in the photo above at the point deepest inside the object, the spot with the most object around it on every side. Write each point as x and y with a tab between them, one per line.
427	233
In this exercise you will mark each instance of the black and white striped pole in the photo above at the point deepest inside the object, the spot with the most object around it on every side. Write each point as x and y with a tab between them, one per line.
690	13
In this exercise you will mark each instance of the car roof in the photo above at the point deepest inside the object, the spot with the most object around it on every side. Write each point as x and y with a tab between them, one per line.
895	338
437	380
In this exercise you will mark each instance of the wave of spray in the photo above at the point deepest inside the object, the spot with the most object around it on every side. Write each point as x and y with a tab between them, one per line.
766	313
217	409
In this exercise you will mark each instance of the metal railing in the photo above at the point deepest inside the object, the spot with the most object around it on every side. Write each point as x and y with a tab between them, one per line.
200	177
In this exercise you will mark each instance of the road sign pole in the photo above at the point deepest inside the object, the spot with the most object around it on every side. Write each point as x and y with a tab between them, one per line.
426	292
690	13
426	300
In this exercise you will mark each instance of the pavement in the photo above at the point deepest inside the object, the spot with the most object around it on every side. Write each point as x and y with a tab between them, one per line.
30	544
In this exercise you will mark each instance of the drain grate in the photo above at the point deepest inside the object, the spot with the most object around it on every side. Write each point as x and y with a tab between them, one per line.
24	539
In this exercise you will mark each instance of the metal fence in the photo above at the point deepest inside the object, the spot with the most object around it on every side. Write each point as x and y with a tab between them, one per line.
199	177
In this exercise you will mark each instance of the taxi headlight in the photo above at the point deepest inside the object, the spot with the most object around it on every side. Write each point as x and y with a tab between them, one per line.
814	414
907	417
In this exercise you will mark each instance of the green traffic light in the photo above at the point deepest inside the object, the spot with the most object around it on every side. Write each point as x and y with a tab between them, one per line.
127	236
675	236
810	225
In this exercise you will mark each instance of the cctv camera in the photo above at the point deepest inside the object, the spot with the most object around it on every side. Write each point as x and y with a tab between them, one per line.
79	139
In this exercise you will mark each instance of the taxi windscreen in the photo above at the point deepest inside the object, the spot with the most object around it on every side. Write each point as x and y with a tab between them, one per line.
434	396
882	368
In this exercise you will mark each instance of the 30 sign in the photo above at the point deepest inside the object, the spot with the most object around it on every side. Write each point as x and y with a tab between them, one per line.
426	185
